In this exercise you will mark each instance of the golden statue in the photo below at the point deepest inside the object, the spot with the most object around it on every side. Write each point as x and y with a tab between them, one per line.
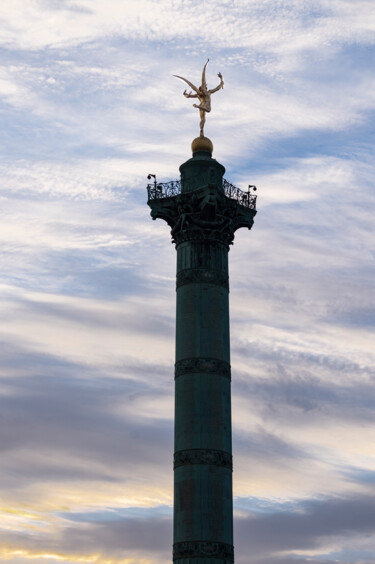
203	95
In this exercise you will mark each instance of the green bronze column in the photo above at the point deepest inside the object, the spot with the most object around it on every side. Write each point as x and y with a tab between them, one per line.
203	211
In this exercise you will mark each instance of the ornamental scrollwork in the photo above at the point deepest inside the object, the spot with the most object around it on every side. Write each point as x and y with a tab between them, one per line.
202	216
206	214
207	549
203	366
203	456
158	190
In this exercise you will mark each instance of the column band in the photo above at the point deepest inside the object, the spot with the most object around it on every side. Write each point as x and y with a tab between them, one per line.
203	456
194	275
202	366
203	549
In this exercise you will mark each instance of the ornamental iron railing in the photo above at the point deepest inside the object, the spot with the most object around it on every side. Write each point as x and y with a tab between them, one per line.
158	190
243	198
161	190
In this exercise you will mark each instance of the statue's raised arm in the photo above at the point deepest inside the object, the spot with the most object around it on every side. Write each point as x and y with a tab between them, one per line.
221	85
203	95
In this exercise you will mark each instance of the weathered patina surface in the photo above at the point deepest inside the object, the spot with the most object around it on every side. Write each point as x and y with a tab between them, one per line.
203	211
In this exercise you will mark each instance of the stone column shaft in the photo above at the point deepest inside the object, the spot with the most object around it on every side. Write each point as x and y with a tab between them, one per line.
203	526
203	212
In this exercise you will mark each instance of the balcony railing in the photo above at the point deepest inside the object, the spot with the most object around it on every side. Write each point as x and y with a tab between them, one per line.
159	190
243	198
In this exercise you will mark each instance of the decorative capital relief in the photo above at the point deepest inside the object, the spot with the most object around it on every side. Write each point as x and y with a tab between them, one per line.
205	214
202	366
203	549
203	456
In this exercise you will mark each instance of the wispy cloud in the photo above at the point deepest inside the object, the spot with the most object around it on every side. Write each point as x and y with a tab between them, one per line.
89	107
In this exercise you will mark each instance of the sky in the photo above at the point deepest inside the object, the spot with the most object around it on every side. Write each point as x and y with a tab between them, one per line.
89	107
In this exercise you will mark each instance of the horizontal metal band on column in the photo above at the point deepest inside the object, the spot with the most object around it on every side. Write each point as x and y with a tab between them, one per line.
197	275
202	366
203	456
203	549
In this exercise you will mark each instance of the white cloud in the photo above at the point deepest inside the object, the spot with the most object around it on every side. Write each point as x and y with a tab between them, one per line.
284	26
90	107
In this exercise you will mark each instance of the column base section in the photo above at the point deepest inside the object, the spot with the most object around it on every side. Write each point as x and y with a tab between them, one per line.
203	552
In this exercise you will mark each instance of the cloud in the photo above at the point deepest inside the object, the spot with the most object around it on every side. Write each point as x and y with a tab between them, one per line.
323	524
89	108
285	26
313	525
133	540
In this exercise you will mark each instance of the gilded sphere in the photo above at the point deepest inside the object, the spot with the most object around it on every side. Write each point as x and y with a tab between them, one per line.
202	144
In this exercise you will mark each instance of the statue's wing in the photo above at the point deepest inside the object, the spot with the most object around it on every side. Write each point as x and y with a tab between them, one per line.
204	83
187	82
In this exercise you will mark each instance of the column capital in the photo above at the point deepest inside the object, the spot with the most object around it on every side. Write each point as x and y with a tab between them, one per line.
205	214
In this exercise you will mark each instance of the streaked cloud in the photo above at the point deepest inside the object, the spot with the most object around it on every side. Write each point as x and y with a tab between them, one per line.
89	107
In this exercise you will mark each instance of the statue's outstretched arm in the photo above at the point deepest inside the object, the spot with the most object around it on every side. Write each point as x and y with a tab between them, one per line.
221	85
190	95
187	82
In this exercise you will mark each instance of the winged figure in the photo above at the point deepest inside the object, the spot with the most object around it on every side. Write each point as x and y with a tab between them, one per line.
203	95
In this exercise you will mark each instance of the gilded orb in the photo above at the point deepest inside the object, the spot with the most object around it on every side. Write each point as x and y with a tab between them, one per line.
202	144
